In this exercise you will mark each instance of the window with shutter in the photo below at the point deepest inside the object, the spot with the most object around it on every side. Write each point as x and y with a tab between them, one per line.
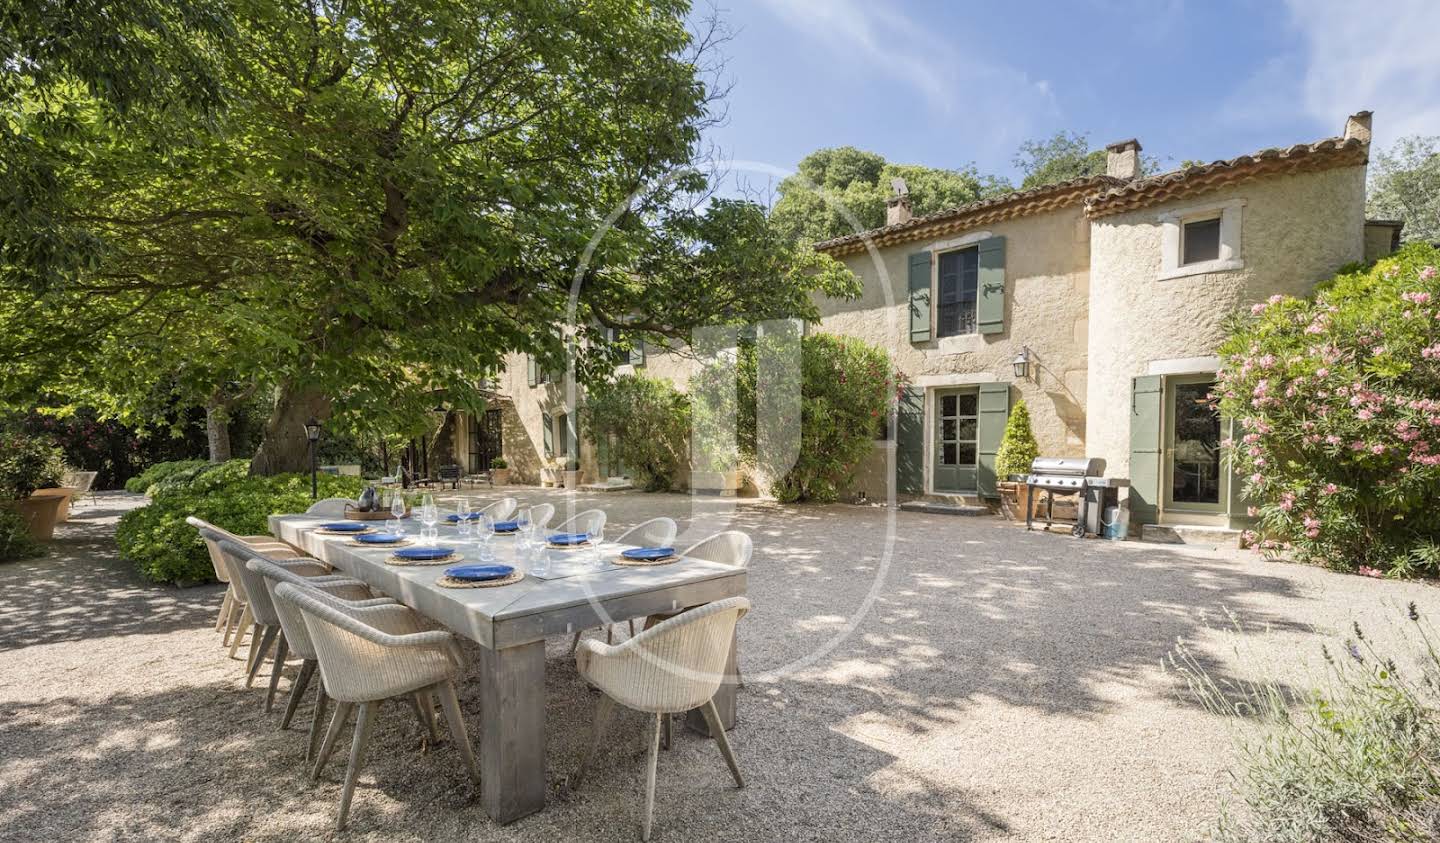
959	275
994	411
1146	431
910	442
547	434
919	283
990	308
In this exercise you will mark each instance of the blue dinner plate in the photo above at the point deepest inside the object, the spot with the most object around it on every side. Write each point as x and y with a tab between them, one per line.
455	519
343	526
648	553
424	552
506	526
380	538
479	573
569	538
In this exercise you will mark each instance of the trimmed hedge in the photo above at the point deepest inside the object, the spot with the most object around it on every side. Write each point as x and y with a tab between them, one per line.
166	549
141	483
15	540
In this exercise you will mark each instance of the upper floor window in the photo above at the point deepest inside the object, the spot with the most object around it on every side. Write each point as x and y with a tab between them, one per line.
1201	239
959	274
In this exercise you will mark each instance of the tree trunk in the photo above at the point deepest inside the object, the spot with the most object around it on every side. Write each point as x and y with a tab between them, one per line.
217	431
284	448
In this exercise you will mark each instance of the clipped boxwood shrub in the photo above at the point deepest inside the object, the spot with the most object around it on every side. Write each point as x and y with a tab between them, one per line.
15	540
644	421
141	482
166	549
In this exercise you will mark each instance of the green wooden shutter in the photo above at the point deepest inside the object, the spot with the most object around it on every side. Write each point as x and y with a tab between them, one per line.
532	371
572	440
910	442
1147	396
991	305
547	434
994	412
920	297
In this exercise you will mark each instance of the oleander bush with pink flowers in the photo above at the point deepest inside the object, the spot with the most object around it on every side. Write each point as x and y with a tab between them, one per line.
1337	399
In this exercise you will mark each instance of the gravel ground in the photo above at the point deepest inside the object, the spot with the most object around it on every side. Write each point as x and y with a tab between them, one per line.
979	682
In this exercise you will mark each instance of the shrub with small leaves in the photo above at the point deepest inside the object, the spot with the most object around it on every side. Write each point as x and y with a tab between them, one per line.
15	540
141	483
1018	448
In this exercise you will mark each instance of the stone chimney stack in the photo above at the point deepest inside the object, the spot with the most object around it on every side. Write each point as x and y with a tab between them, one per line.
1357	126
1122	159
897	207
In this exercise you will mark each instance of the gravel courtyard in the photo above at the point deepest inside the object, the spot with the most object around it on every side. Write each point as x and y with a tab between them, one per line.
975	682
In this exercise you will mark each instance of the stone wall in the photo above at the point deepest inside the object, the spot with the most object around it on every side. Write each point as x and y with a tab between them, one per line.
1295	230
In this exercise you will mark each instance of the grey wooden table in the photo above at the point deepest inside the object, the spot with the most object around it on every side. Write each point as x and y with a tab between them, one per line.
511	623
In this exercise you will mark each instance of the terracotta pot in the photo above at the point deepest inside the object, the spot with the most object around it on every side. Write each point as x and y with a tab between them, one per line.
715	482
572	479
39	512
61	492
500	476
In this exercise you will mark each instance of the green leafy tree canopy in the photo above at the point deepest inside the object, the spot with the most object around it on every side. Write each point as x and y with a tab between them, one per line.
1405	185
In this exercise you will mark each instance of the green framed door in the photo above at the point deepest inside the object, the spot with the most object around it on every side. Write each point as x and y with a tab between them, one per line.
956	454
1197	476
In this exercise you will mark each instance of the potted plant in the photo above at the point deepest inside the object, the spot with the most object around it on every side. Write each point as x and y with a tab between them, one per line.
28	464
1017	450
499	472
572	473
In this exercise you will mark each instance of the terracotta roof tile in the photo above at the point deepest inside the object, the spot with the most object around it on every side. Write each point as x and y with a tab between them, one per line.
1303	157
983	212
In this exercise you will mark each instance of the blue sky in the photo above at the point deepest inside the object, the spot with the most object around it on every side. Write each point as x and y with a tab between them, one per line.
950	83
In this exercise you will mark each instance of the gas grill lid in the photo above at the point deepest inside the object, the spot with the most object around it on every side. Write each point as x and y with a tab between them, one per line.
1068	466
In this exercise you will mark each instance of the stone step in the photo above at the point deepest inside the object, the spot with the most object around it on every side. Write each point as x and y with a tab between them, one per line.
1196	535
605	487
939	508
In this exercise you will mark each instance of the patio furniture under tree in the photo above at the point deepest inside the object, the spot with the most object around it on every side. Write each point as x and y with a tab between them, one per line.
729	547
450	474
80	481
671	668
233	607
331	507
511	624
374	653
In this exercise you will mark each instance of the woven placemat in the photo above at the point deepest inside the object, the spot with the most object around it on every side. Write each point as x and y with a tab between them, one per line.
396	560
580	546
451	582
324	532
646	563
401	543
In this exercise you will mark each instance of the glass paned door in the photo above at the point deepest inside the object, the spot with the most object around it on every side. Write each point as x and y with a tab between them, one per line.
956	451
485	440
1196	479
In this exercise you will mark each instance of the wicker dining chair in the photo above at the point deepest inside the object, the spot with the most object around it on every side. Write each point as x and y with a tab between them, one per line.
668	669
370	654
352	593
657	532
265	629
501	510
730	547
331	507
234	611
540	515
589	521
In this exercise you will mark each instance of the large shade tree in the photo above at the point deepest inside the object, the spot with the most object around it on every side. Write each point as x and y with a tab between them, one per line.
1405	186
366	205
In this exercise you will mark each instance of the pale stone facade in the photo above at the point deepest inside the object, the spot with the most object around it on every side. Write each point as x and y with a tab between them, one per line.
1099	294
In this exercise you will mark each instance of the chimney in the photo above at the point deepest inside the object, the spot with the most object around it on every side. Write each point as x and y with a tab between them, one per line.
1122	160
1357	126
897	207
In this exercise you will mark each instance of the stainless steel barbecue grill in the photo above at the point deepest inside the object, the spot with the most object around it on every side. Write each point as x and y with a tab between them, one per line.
1083	477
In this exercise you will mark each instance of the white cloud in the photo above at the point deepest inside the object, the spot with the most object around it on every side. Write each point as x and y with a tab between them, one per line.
1376	56
889	43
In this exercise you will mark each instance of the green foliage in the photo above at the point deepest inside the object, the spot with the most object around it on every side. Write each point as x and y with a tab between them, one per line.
844	386
499	462
166	549
643	421
141	483
1405	185
28	463
1062	157
1018	447
1337	398
15	540
843	190
386	201
1352	758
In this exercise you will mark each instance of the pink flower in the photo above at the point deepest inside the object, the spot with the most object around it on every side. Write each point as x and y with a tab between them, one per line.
1427	273
1312	526
1365	415
1367	571
1258	479
1416	298
1377	449
1322	372
1287	501
1331	488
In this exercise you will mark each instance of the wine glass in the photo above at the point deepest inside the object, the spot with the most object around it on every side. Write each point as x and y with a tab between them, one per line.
397	510
430	516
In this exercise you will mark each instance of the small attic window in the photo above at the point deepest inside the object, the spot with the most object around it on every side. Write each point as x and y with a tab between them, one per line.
1200	241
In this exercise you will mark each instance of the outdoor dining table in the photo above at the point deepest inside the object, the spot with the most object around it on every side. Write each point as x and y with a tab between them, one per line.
511	623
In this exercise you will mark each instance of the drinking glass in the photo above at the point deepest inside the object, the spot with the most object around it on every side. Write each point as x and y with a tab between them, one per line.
397	511
486	546
462	508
